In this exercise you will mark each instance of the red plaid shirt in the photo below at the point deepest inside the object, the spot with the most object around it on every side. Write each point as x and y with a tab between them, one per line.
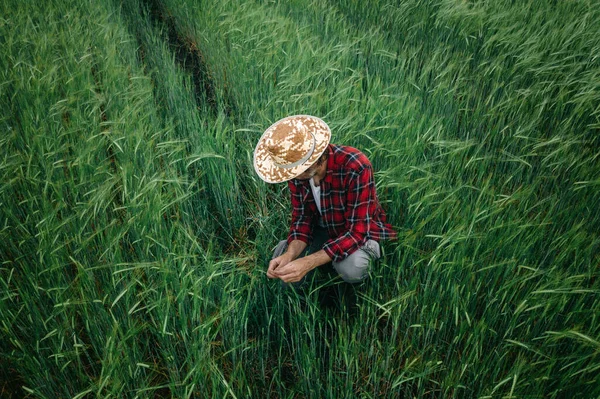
351	214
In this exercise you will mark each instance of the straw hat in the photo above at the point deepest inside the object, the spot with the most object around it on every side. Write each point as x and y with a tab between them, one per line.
289	147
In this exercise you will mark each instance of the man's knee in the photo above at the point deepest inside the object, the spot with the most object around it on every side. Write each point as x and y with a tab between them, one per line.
352	274
355	268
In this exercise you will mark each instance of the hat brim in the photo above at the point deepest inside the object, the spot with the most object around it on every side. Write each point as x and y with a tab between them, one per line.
266	168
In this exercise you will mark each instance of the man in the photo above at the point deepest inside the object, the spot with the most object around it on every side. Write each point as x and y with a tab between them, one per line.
336	216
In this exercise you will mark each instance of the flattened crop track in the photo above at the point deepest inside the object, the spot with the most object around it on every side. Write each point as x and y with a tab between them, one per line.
186	52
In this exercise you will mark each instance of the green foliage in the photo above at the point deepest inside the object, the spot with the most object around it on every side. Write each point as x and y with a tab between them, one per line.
135	233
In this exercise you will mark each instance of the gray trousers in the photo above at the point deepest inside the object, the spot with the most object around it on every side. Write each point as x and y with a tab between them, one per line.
352	269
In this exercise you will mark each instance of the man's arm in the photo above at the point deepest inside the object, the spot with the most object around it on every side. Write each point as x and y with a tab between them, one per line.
300	232
295	248
301	226
295	270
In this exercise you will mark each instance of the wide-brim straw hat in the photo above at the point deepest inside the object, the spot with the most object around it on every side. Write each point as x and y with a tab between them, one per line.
289	147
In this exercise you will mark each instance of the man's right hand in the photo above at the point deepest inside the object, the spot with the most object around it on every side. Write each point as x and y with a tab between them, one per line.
294	250
277	262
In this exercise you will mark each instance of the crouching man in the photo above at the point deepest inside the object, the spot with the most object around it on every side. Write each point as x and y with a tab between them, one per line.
336	216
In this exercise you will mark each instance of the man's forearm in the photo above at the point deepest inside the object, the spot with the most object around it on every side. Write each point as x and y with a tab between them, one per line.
296	247
318	258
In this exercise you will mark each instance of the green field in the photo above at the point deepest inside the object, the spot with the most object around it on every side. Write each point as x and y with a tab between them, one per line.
135	235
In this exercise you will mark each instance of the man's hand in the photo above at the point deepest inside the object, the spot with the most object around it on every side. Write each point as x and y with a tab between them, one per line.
278	262
290	270
294	249
293	271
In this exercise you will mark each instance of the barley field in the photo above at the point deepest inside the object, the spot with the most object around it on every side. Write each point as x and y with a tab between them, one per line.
135	235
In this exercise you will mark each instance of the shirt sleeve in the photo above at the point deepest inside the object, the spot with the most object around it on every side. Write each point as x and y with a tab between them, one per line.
360	206
301	227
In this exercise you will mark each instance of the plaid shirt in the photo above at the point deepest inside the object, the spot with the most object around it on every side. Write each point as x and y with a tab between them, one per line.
351	214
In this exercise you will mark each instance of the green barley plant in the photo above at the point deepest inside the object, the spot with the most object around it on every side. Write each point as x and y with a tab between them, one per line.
135	234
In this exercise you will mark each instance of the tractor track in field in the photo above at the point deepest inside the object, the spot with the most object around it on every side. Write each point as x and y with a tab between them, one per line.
110	153
186	52
151	23
184	47
187	55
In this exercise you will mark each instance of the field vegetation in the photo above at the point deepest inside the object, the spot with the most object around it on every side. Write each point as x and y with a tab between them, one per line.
135	235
